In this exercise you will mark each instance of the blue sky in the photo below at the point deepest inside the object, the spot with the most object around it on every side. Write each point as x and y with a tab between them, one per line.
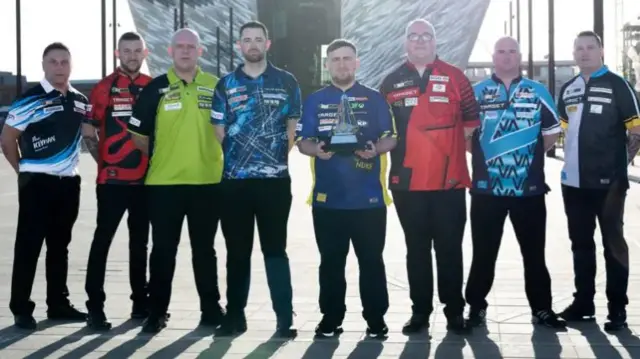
82	34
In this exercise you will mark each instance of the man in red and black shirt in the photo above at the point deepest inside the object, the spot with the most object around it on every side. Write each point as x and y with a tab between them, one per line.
435	112
120	181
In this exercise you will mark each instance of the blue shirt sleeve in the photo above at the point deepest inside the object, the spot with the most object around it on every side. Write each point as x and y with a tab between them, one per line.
549	117
220	106
307	127
295	105
386	122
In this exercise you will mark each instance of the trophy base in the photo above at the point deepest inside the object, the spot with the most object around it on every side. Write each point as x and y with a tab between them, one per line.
344	147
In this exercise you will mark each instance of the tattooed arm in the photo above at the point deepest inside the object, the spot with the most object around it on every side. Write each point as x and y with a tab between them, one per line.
629	110
90	137
633	143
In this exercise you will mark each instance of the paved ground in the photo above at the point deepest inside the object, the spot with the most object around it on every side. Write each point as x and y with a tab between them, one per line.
508	335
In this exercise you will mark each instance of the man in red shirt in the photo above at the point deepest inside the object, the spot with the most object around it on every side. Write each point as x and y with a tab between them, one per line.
436	113
120	181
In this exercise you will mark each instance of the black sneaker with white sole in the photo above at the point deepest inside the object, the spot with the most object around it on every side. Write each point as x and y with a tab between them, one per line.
328	328
548	318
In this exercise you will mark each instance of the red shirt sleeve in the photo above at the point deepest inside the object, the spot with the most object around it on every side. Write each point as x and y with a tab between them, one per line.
99	99
468	104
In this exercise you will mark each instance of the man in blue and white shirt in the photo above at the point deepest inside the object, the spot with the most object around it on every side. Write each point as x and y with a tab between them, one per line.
41	141
519	123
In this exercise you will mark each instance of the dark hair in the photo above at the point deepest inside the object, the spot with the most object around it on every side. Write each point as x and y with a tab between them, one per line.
590	33
255	25
55	46
130	36
339	43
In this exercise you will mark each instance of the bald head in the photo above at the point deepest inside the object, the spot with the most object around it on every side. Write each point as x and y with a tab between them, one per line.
506	42
185	50
507	57
185	35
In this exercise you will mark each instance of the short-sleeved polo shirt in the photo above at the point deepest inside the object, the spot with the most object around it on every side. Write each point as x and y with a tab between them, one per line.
255	112
50	122
175	115
347	181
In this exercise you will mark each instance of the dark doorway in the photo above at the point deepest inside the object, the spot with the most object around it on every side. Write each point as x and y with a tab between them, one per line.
298	30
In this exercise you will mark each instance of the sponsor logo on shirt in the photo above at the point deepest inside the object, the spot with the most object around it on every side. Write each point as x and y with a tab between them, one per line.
438	99
217	115
601	90
233	90
53	109
599	99
439	88
134	122
121	107
172	106
205	89
439	78
40	144
237	99
411	101
402	84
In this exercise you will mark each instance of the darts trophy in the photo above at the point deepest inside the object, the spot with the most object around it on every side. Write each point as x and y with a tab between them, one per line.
345	137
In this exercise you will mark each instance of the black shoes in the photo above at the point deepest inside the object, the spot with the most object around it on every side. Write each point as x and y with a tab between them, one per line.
155	323
213	318
616	320
548	318
284	327
97	320
580	312
458	325
477	317
329	327
234	323
416	324
577	312
139	310
377	328
66	313
26	322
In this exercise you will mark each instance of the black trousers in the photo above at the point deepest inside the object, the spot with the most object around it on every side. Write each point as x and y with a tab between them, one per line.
266	202
335	229
48	210
113	202
582	207
437	217
528	216
168	206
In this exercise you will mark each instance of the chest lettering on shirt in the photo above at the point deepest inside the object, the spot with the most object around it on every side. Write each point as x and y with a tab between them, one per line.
53	109
40	144
172	106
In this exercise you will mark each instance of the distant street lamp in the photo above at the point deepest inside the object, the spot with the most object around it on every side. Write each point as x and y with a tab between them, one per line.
18	49
530	69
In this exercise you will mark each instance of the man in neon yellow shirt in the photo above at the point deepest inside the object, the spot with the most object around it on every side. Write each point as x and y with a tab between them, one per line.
170	122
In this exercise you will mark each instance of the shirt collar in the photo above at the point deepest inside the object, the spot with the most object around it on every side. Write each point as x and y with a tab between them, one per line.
48	87
601	71
268	71
432	65
497	80
335	88
173	77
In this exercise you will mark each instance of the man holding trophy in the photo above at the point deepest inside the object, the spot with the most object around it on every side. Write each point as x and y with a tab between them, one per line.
347	129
